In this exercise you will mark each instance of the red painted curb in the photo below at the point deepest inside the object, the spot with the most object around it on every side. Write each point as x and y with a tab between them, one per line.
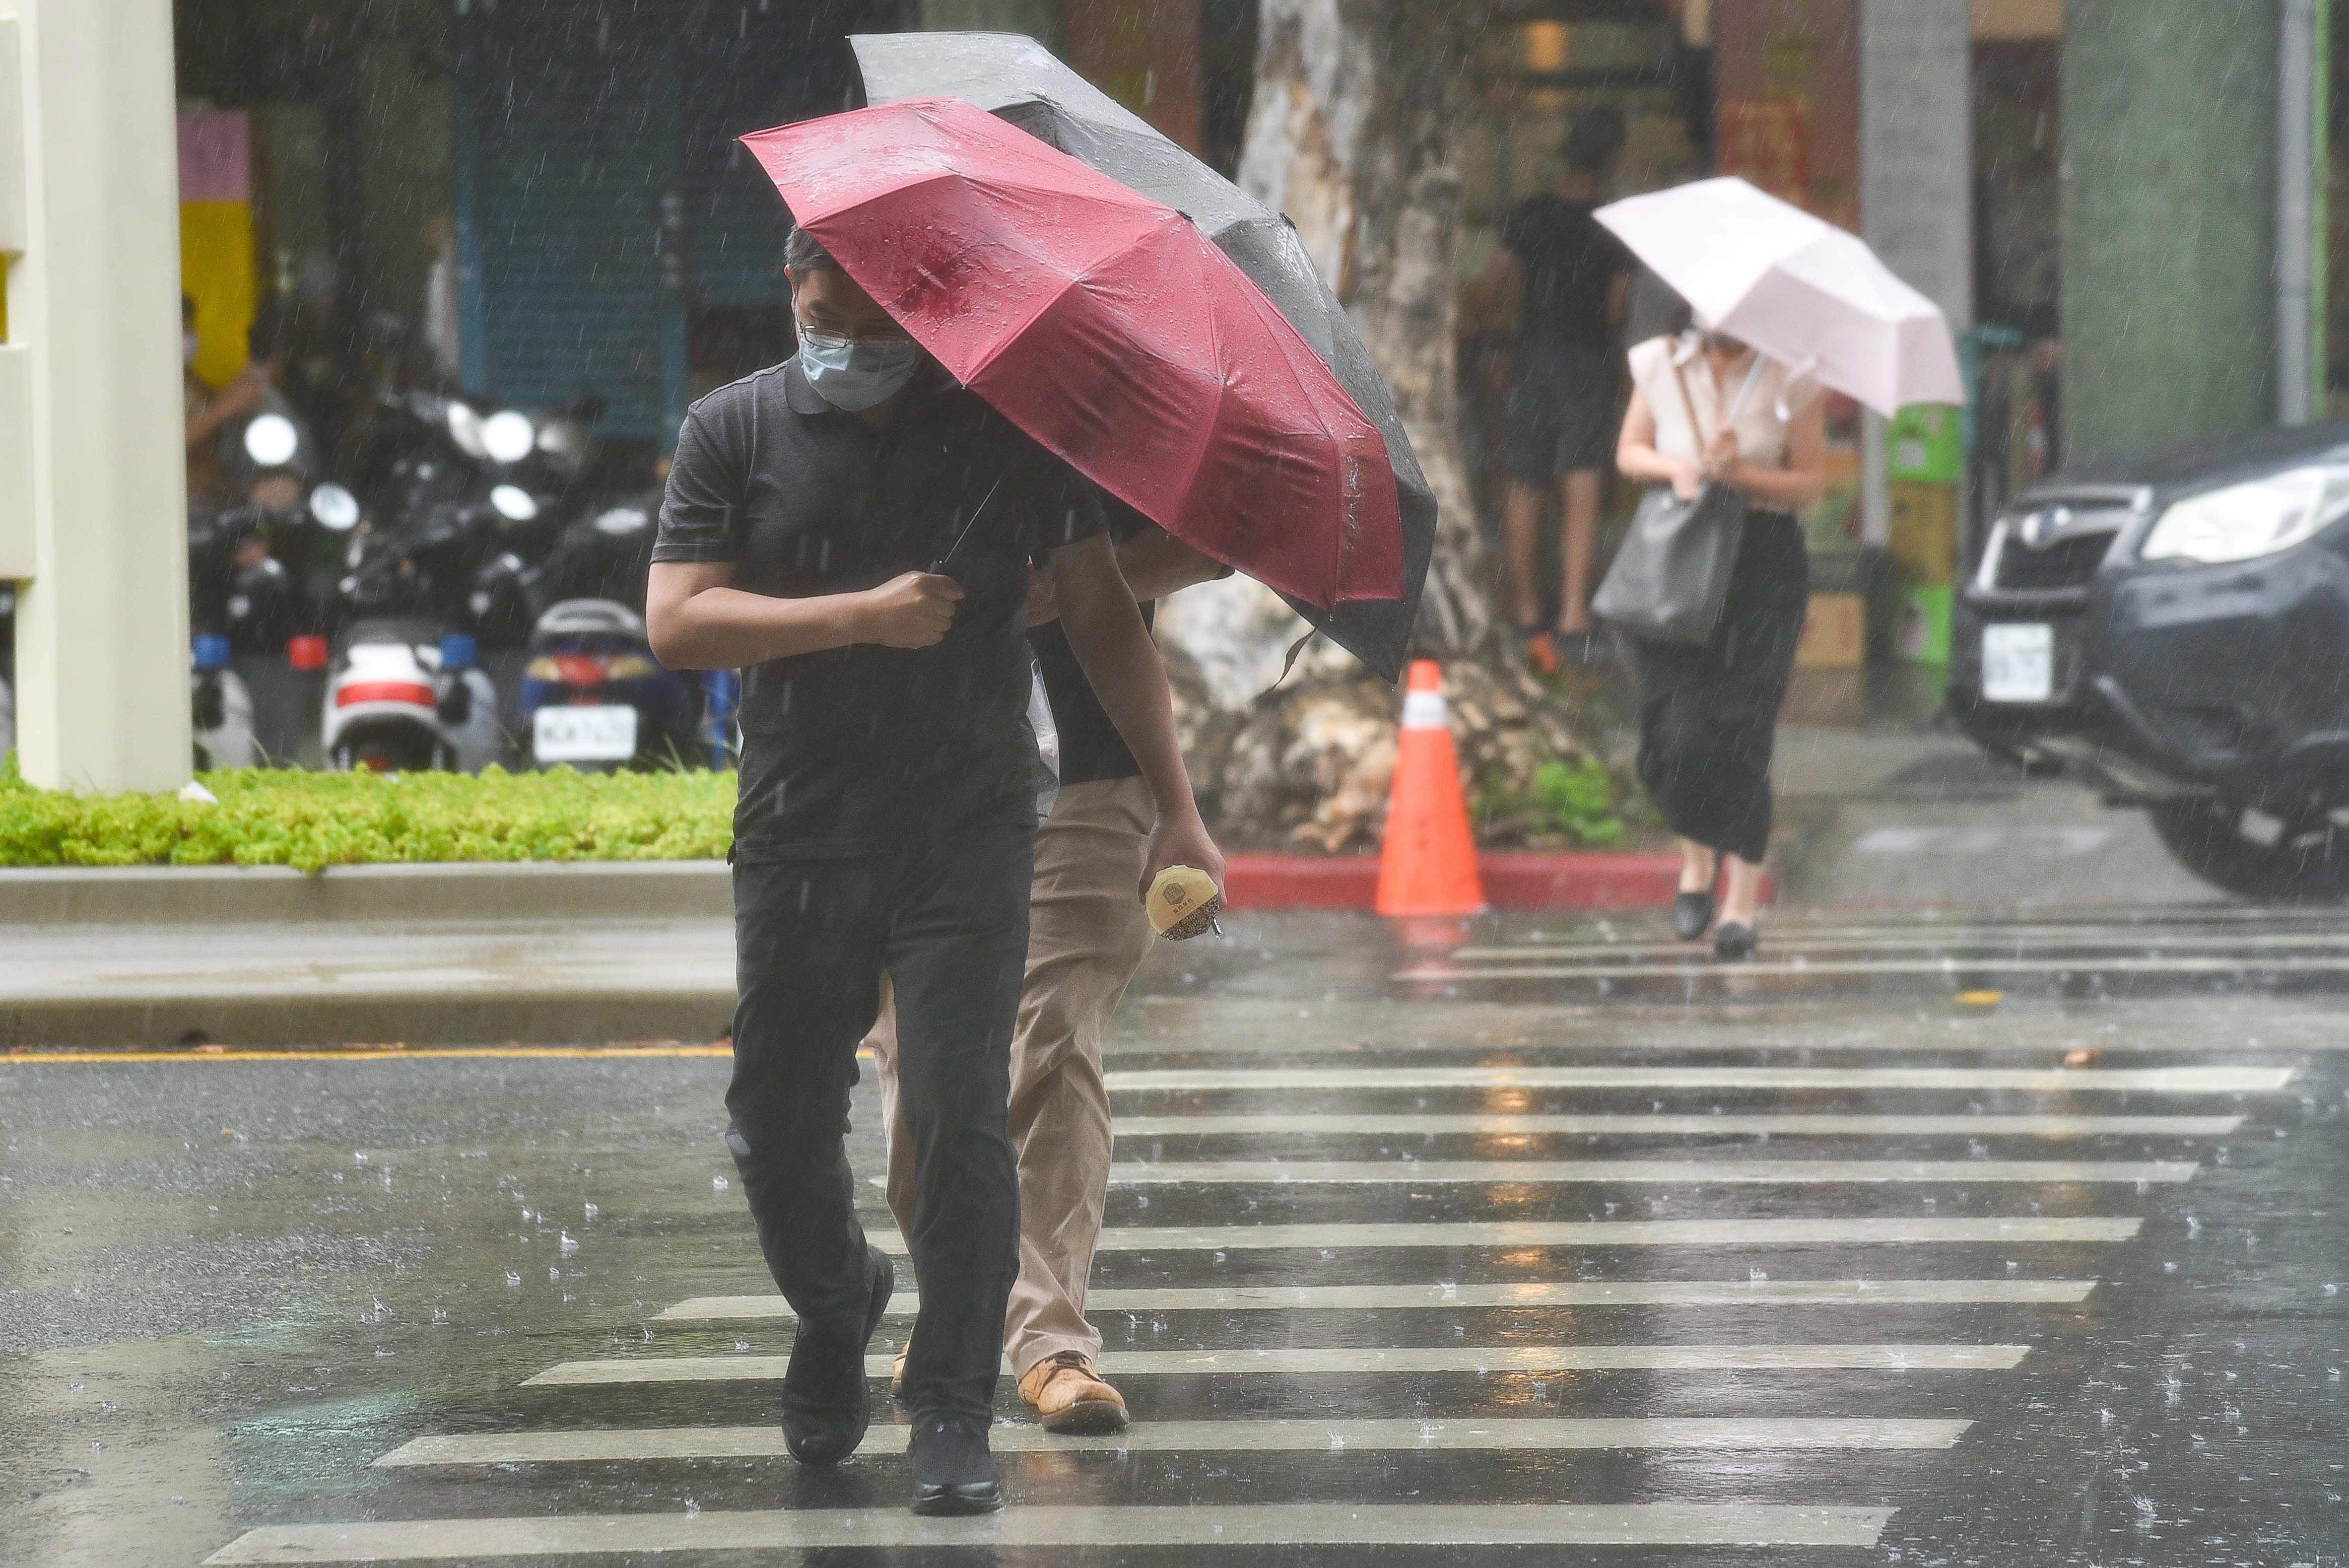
1516	880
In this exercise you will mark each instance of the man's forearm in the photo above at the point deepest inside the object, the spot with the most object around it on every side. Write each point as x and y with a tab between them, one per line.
728	628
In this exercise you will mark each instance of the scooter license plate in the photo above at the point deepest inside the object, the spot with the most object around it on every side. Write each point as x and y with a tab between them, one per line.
2018	662
601	734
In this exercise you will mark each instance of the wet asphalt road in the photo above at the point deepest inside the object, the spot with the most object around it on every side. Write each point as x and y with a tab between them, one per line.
1496	1250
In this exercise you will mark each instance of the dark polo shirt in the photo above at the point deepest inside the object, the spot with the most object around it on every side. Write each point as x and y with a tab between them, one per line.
862	749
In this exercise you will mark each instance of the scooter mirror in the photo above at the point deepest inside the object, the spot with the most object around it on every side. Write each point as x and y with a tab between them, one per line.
271	441
509	436
513	503
465	430
335	508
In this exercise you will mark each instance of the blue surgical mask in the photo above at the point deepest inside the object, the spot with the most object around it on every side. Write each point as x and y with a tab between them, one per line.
855	373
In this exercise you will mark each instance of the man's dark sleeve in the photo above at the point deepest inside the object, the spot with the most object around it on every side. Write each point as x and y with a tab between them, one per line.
701	511
1063	505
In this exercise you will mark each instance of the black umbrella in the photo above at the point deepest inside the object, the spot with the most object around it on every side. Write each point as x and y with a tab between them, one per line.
1018	78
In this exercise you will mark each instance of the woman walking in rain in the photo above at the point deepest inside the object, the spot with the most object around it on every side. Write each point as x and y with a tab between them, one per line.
1705	407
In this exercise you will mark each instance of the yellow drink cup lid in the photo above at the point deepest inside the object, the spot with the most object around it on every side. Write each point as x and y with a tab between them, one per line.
1182	903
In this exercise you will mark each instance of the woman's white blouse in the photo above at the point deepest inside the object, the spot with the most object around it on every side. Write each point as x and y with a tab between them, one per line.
1761	429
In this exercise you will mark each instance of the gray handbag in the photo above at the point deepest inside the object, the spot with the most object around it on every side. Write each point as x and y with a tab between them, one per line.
1670	580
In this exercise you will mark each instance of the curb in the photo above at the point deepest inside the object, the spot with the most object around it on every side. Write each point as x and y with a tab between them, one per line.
688	889
472	889
557	893
402	1018
1512	881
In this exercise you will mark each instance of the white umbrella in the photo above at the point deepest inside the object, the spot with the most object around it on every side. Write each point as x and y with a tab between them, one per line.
1801	290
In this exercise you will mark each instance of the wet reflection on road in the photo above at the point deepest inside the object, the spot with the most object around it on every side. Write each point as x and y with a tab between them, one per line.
1556	1238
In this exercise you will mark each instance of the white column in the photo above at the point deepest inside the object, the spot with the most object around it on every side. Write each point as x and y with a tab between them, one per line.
93	501
2297	337
1916	173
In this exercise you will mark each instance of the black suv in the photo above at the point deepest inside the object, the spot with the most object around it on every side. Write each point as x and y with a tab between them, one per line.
2173	627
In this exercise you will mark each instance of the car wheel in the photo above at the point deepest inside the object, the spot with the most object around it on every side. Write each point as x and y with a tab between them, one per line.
2302	862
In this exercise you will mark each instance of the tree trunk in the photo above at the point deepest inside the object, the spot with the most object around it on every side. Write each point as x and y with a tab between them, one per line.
1350	134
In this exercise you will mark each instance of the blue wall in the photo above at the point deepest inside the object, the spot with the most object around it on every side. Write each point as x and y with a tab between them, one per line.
600	195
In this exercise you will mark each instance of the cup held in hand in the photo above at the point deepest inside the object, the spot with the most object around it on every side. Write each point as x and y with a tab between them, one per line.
1182	903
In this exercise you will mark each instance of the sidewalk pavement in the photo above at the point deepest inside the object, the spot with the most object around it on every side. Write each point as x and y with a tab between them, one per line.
560	954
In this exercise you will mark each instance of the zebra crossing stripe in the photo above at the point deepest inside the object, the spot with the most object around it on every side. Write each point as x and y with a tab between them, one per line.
1690	967
1696	1172
1980	943
2056	1080
1744	1235
1195	1525
611	1445
1556	1292
1825	1125
1291	1361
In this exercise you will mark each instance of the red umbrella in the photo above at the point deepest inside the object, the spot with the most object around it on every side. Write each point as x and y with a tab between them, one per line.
1111	329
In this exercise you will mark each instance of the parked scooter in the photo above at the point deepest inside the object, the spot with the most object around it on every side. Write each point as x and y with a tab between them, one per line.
593	695
222	709
473	499
403	695
252	608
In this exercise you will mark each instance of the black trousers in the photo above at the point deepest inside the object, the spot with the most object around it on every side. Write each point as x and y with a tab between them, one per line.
1707	716
947	922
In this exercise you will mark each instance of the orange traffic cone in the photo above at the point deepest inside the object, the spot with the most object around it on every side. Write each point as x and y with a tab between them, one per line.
1429	863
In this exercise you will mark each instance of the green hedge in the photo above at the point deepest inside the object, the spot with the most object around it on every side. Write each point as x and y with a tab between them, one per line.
311	820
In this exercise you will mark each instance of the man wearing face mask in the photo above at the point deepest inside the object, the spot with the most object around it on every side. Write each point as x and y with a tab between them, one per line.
854	529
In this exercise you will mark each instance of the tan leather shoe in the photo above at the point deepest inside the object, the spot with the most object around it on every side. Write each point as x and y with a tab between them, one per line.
1068	1397
898	1371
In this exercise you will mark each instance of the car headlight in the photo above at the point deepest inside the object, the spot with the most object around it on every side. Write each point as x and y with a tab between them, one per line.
271	441
335	508
465	430
508	435
513	503
2246	521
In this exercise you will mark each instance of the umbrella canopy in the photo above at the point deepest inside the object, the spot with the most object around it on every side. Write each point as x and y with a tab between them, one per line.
1108	327
1020	81
1801	290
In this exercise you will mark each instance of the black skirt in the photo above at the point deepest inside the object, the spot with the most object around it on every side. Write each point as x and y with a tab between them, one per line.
1707	716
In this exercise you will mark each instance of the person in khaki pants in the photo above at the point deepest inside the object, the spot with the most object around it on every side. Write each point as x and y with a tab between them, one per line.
1086	935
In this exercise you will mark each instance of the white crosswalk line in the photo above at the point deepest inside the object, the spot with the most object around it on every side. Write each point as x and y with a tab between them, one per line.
1749	1235
1644	1172
606	1445
1196	1525
1693	967
1977	943
1553	1293
2053	1080
1291	1362
1257	1102
1829	1124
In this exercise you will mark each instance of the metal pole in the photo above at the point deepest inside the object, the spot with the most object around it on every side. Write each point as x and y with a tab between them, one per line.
2295	237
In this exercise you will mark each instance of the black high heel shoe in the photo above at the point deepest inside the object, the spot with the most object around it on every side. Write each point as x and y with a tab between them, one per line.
1691	914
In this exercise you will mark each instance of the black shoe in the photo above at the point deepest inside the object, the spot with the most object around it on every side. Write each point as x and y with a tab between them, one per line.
827	1402
953	1472
1734	944
1691	914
